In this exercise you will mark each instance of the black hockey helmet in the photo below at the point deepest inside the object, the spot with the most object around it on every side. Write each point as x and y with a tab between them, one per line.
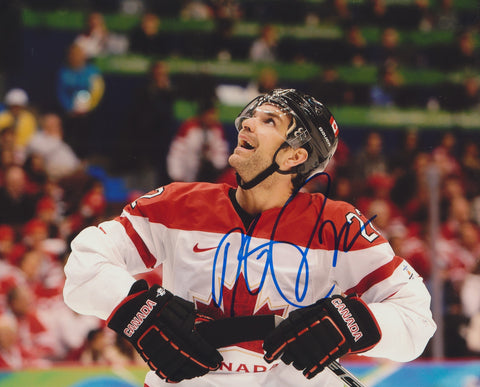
313	126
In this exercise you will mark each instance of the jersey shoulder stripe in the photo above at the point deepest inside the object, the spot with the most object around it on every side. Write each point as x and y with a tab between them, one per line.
376	276
147	257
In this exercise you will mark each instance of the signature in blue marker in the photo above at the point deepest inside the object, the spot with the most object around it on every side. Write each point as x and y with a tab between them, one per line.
246	253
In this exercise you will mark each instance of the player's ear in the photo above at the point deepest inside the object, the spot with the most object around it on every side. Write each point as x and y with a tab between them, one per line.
296	157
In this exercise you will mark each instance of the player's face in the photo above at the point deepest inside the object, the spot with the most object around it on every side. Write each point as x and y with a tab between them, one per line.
260	135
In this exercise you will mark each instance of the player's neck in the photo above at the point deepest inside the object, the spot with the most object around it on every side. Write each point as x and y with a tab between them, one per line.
264	196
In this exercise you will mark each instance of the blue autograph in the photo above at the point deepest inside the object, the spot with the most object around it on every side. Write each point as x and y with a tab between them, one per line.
246	253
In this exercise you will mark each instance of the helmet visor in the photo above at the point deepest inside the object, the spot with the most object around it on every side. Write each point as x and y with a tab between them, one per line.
297	134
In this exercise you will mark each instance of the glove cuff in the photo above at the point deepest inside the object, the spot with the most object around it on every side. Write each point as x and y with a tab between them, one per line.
129	316
138	286
356	321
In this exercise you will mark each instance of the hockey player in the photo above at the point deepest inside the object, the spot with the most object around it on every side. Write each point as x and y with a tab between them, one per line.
261	249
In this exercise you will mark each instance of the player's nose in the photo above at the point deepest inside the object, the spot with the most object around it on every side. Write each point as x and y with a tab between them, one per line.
248	124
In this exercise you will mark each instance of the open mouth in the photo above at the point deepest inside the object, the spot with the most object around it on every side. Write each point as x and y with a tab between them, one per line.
246	145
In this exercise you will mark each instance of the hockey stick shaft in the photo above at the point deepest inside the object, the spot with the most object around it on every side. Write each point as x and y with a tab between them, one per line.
230	331
345	375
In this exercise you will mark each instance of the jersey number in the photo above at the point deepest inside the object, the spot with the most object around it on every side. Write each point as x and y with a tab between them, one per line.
363	232
157	192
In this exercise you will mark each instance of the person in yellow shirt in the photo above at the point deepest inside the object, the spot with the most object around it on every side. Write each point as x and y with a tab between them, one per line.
25	122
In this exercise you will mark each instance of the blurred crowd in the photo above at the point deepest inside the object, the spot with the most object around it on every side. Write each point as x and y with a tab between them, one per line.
48	193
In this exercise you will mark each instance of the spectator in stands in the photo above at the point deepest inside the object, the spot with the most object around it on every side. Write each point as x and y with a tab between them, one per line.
342	11
466	54
232	94
422	16
80	85
199	151
227	13
329	88
152	124
356	46
401	166
388	50
370	159
68	329
11	354
401	159
342	189
462	54
48	211
71	190
145	38
386	91
228	9
34	168
470	98
378	211
197	10
264	48
412	247
17	205
99	350
470	162
330	12
96	40
42	271
459	256
458	253
375	13
10	275
35	339
10	152
458	213
459	96
47	222
87	209
445	154
415	199
451	187
405	16
469	238
126	351
93	204
80	88
24	121
93	40
266	81
457	262
378	188
445	17
59	158
470	291
7	242
470	301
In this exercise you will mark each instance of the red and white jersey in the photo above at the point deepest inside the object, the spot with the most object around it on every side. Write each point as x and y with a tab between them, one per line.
288	258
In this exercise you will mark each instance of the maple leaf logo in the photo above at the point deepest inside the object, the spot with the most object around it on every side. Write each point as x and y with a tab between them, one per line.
239	300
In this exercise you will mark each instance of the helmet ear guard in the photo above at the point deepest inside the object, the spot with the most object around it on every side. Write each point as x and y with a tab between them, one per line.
321	126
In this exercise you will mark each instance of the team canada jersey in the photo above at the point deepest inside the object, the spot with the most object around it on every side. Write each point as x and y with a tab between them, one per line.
287	258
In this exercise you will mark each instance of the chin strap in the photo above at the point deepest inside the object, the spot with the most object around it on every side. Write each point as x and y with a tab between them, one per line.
274	167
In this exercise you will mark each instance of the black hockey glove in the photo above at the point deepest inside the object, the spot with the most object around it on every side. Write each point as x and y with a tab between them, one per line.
161	327
313	337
